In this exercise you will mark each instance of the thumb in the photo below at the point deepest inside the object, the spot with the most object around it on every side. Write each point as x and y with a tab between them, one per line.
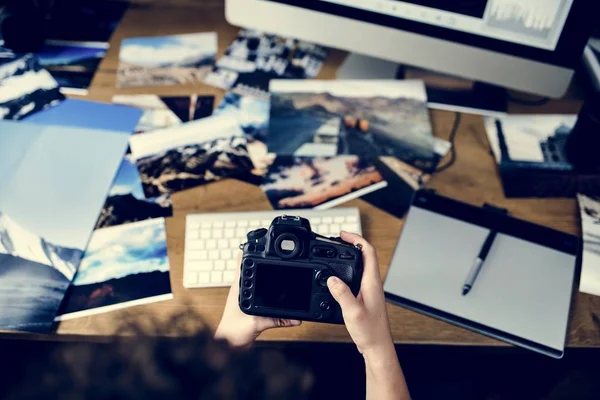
264	323
342	294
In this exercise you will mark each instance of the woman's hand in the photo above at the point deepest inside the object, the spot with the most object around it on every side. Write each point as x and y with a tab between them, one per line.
365	316
240	329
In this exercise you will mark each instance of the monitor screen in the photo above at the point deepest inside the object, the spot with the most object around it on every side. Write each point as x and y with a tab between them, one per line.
287	288
548	31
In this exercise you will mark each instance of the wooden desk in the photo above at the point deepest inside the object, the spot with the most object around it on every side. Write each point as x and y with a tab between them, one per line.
472	179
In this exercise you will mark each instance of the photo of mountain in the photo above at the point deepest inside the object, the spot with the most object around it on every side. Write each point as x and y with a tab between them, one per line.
192	154
252	111
166	60
34	275
367	118
166	111
319	182
72	64
123	266
254	58
126	201
590	266
52	190
25	87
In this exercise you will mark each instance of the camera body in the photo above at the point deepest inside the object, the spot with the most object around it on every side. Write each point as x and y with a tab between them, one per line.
285	269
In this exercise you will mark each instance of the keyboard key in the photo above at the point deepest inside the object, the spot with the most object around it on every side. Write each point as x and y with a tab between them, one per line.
226	254
243	223
229	277
234	243
191	278
241	232
199	265
205	225
217	234
266	223
205	234
219	224
335	229
315	221
211	244
223	244
195	245
327	220
192	234
228	233
339	220
213	255
219	265
254	224
232	265
322	229
192	226
196	255
230	224
350	228
352	218
216	277
203	277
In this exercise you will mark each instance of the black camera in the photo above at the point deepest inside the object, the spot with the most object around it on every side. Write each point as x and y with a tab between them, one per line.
285	269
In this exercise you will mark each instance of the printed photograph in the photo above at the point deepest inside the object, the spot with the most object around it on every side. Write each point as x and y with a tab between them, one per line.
367	118
123	266
166	60
251	110
50	197
192	154
126	201
25	87
72	64
530	138
590	220
254	58
166	111
319	182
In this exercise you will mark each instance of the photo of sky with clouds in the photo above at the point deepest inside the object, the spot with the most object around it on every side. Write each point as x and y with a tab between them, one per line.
127	181
156	51
123	250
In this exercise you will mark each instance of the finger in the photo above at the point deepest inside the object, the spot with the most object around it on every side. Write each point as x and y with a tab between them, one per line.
342	294
370	263
264	323
235	286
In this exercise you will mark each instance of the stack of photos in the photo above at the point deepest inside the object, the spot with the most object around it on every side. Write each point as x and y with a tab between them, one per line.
52	191
123	266
166	111
319	182
72	64
254	58
25	87
126	201
166	60
367	118
590	222
531	157
192	154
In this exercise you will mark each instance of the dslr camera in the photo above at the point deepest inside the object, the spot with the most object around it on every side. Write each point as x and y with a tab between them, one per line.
285	269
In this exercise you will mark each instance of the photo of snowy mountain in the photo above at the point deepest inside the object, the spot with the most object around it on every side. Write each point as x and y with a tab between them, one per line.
25	87
166	60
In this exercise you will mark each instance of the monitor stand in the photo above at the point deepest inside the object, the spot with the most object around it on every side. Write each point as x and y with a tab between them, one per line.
478	98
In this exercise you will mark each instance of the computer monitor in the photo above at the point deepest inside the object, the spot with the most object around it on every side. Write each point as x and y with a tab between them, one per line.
529	45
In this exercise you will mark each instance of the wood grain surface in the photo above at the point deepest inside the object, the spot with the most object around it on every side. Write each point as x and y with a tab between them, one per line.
472	179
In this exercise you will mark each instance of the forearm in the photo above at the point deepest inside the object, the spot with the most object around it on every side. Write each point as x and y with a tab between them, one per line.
385	380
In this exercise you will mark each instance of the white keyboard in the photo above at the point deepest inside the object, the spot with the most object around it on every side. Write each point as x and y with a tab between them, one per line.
212	241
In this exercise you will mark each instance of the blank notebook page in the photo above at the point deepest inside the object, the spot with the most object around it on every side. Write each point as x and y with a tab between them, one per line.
523	289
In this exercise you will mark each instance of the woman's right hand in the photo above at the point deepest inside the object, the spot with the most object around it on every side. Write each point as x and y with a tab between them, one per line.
365	316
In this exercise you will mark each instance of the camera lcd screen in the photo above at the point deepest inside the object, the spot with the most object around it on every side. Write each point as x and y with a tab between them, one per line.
283	287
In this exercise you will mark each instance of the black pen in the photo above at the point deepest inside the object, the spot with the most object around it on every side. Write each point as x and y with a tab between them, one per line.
485	249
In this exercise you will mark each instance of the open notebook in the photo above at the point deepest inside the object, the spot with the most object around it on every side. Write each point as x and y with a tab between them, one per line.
523	292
